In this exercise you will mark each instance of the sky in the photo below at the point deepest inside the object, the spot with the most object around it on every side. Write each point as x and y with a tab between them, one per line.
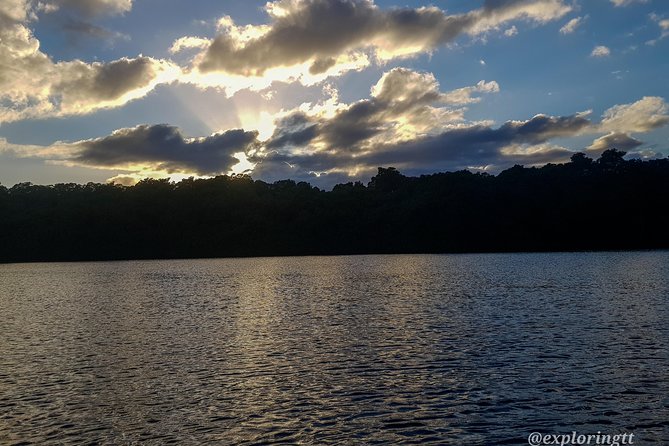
324	91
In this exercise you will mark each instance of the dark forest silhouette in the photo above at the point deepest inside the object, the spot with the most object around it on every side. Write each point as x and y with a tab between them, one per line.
607	204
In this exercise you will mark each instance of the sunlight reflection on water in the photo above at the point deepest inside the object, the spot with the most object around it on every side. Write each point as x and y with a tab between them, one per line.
452	349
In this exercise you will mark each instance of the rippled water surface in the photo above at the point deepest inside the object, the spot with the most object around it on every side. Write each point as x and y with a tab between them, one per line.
453	349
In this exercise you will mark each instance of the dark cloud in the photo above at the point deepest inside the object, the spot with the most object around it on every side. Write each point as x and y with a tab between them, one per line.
322	30
91	8
322	65
294	130
317	29
477	146
76	18
114	79
541	128
163	147
358	123
481	145
402	95
80	28
385	130
459	148
107	82
87	29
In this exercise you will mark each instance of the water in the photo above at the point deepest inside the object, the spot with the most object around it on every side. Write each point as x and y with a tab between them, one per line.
453	349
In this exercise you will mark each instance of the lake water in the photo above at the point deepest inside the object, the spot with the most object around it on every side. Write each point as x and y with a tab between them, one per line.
429	349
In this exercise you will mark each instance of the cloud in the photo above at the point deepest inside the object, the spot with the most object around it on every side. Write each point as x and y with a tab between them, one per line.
614	140
154	149
407	122
163	148
86	86
571	25
88	8
12	11
645	154
309	40
53	152
125	180
619	3
357	138
80	28
620	121
89	29
32	85
403	104
483	145
644	115
600	51
74	17
511	31
664	28
478	147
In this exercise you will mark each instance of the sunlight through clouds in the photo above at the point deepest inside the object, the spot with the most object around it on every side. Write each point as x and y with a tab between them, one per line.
324	89
308	41
262	122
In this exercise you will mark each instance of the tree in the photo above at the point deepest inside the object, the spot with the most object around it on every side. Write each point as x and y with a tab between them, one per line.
612	159
580	160
387	180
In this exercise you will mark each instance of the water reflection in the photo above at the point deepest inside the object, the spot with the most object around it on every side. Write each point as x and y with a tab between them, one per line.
470	349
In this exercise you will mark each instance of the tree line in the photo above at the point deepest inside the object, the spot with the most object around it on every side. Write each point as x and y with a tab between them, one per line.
604	204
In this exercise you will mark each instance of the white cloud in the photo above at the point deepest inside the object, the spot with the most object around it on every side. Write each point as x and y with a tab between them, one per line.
621	121
511	31
32	85
571	25
600	51
52	152
644	115
13	11
619	3
664	28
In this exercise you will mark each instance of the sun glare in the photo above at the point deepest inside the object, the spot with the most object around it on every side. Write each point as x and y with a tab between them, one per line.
243	166
262	122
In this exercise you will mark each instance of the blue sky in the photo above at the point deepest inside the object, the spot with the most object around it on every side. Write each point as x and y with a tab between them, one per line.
324	90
